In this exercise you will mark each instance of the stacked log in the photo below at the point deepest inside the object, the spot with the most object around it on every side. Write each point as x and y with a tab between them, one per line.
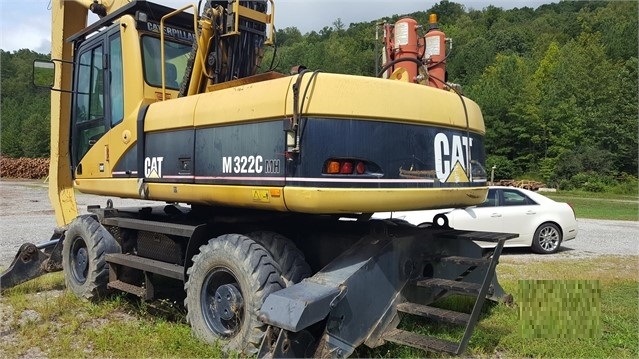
29	168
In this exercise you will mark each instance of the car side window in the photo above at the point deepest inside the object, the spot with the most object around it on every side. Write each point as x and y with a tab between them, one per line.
491	199
516	198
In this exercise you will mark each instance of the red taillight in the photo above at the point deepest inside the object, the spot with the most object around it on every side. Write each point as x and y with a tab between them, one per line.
347	168
573	210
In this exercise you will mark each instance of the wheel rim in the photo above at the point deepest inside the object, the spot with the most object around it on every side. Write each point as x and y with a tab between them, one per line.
548	239
79	260
222	303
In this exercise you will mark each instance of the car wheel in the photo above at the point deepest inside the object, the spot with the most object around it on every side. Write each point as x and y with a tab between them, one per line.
547	239
227	284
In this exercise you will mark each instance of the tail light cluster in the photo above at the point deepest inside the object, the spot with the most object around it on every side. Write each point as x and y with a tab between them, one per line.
345	166
573	210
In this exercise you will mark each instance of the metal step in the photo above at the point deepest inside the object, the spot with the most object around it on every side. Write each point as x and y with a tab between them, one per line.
443	315
126	287
451	285
174	229
471	262
479	291
421	341
477	236
148	265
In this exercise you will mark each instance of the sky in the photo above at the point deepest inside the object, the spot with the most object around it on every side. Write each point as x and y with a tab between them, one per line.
27	23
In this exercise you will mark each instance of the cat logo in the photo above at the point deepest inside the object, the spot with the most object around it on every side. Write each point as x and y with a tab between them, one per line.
451	157
457	174
153	167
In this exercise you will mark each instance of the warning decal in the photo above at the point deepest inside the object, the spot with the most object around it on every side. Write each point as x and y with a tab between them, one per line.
261	195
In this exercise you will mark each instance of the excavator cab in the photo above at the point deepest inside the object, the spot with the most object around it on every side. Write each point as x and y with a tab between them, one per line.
118	68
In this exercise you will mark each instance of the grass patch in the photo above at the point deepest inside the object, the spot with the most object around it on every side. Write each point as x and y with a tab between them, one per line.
498	333
59	324
592	195
599	205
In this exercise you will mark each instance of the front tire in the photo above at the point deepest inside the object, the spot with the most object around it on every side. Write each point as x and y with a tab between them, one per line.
227	284
84	249
547	239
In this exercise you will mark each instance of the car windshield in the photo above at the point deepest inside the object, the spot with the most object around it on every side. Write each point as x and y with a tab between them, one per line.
176	56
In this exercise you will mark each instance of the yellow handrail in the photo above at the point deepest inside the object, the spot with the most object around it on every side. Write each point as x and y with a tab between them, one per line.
267	19
196	36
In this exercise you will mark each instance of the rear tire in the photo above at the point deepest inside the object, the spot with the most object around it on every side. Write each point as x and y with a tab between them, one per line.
547	239
290	259
227	284
84	249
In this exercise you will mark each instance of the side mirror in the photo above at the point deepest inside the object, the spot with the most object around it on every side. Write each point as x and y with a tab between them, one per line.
43	74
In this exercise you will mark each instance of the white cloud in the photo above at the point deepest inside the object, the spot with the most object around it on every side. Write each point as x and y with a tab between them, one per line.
25	24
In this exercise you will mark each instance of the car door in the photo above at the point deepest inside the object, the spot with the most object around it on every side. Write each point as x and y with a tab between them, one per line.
484	217
517	214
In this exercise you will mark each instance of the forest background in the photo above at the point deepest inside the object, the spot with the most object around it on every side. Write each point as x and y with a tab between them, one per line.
558	86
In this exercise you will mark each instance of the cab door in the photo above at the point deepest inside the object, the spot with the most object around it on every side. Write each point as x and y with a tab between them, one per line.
97	103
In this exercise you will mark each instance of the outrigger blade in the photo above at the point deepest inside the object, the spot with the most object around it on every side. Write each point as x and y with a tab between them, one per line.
32	261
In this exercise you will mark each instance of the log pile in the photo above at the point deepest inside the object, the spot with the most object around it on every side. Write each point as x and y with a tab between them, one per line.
525	184
31	168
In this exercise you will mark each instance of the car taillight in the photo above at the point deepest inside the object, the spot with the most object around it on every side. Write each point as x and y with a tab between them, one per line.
573	210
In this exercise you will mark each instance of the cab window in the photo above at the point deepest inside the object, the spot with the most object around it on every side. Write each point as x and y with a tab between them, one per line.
117	86
90	98
175	56
89	114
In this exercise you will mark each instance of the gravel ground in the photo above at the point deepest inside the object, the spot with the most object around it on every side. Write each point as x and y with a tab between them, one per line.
26	216
596	237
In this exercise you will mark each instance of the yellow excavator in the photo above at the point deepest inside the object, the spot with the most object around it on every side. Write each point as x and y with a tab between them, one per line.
265	182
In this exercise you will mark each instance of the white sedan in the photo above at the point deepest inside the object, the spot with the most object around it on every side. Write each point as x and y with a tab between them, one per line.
542	224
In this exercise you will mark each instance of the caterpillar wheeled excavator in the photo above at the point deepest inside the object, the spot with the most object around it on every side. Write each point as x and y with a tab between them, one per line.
265	181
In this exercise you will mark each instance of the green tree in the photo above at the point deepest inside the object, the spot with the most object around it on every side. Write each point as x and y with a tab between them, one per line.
20	100
497	91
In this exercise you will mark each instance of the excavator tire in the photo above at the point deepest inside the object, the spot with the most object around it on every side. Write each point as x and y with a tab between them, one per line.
290	259
226	286
86	243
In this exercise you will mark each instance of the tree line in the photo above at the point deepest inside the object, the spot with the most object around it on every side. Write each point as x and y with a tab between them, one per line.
558	85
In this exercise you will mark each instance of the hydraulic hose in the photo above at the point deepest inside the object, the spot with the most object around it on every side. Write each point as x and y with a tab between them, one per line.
388	65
